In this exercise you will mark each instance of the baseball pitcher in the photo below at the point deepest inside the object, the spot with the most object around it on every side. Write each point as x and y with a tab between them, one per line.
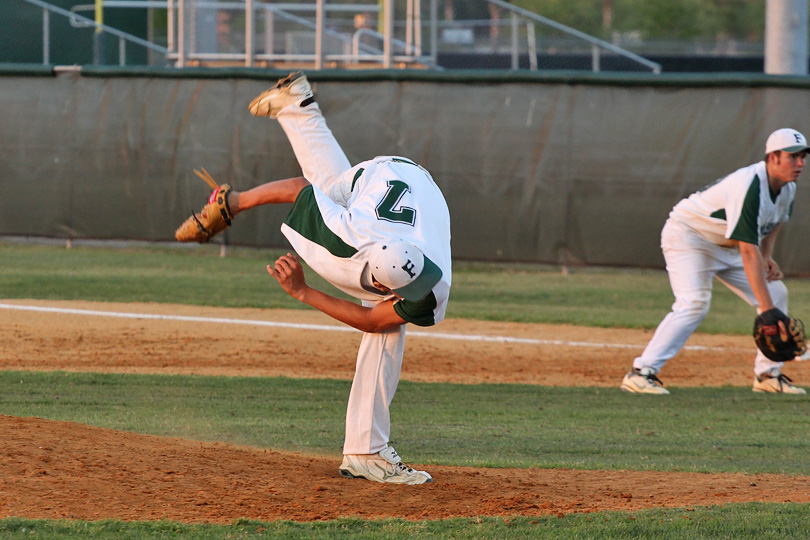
379	231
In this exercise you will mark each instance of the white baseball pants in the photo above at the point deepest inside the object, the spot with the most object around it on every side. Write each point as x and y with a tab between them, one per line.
692	263
379	357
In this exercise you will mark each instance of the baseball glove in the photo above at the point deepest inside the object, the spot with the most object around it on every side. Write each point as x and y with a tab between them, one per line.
215	216
779	337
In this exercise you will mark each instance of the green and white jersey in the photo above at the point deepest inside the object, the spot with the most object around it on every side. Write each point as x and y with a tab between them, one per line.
738	207
386	198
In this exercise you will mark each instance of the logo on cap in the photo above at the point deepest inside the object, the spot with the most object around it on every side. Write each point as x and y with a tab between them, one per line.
409	267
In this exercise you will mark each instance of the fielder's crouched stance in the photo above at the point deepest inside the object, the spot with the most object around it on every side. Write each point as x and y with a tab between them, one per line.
728	231
379	231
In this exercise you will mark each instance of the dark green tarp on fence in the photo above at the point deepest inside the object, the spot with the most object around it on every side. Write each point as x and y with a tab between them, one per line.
568	168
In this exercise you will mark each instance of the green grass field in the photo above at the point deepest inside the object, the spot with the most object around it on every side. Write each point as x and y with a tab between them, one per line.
722	429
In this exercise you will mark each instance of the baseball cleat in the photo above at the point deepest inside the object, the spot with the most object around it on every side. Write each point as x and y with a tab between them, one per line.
294	89
384	466
780	384
643	381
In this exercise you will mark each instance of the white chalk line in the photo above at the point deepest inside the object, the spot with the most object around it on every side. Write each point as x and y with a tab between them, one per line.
329	328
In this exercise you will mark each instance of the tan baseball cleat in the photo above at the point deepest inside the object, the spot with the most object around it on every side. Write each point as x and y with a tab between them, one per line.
643	381
294	89
779	384
384	466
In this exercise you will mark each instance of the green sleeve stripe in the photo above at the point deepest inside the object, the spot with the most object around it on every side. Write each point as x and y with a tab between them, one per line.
747	229
356	177
305	218
719	214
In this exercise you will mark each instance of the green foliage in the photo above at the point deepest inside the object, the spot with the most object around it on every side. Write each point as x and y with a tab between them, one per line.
683	19
659	19
583	15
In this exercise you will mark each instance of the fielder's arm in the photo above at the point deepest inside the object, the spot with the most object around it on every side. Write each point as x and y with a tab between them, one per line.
754	264
290	275
772	270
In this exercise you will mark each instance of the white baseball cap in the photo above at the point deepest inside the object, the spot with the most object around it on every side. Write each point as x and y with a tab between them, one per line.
787	140
403	268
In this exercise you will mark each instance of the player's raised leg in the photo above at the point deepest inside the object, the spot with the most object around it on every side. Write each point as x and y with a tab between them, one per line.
294	89
291	101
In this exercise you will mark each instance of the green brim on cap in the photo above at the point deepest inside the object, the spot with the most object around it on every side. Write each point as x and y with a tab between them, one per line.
794	149
423	284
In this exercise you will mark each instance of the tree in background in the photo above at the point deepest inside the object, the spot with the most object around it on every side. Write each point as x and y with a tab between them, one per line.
651	19
658	19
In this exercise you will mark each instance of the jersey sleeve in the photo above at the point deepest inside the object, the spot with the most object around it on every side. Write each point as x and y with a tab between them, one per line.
743	217
309	219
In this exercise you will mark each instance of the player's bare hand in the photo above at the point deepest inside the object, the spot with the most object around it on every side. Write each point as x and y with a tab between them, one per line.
290	275
772	271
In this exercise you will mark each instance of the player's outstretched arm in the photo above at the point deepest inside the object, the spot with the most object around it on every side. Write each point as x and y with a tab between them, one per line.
290	275
279	191
225	202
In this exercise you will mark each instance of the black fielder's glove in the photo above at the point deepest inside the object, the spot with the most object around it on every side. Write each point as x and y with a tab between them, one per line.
779	337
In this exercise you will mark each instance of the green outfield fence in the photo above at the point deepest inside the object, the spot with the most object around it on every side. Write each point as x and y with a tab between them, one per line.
568	168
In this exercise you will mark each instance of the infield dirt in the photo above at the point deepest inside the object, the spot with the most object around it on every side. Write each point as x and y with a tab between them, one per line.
51	469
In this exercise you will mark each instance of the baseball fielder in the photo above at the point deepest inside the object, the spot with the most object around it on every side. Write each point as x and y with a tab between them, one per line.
379	231
727	230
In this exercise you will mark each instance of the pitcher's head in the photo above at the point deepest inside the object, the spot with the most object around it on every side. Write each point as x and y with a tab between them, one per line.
402	267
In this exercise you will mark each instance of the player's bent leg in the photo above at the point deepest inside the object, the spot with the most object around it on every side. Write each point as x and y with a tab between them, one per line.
767	374
384	466
691	272
321	158
292	102
668	339
737	281
368	425
690	269
764	368
673	332
376	377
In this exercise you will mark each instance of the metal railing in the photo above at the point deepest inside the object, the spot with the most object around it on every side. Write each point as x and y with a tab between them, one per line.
76	19
345	48
596	44
191	22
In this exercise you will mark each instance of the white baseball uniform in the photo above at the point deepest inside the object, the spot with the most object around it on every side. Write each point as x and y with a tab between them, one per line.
699	243
334	223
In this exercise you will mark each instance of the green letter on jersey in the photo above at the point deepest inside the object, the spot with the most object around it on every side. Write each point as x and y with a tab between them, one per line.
387	210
